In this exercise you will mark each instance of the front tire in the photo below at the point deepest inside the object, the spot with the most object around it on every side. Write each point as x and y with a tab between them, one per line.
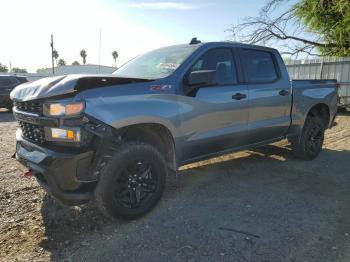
309	145
132	182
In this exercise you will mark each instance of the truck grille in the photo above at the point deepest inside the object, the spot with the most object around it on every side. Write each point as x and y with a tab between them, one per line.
30	106
32	132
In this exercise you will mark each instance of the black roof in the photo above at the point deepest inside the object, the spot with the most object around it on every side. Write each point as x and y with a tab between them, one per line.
16	76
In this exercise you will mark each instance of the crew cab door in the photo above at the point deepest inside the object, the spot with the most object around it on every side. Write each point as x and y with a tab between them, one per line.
217	118
269	94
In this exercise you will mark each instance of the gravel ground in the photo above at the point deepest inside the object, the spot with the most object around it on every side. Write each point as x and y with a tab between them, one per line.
260	205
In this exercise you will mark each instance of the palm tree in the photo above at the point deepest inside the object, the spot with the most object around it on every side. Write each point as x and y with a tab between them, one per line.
83	55
55	55
3	68
19	70
115	56
61	62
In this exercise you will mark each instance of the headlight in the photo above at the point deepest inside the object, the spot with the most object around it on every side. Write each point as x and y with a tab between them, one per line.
64	109
63	135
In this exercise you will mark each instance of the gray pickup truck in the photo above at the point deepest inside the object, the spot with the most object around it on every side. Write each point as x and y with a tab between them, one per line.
115	138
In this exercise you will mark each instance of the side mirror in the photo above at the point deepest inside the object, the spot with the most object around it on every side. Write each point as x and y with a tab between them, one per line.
202	78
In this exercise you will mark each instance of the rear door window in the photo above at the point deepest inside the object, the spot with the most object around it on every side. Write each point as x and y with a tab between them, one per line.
258	66
220	60
8	82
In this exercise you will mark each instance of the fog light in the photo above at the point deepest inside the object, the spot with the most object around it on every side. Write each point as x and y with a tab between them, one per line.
58	134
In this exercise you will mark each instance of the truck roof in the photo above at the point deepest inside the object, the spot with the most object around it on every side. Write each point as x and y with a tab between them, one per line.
232	43
16	76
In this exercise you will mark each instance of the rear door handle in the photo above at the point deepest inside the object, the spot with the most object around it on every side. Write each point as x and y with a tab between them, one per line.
283	92
239	96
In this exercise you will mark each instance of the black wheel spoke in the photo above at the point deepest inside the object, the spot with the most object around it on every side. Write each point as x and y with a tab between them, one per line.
138	194
148	187
136	185
133	198
314	141
147	173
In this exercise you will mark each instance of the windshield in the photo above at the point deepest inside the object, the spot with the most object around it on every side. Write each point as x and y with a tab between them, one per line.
156	64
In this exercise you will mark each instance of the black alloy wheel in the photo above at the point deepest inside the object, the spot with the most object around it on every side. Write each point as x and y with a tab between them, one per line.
132	181
136	185
309	145
314	139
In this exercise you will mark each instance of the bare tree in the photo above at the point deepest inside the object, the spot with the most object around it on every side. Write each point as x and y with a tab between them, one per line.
278	25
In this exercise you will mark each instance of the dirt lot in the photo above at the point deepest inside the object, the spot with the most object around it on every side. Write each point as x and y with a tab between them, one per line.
260	205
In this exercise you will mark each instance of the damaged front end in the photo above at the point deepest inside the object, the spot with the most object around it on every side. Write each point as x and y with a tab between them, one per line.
63	147
65	168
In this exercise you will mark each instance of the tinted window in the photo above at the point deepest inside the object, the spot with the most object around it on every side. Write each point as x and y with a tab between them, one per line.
221	60
258	66
8	82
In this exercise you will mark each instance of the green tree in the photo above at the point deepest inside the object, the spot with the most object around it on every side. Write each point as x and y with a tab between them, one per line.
329	19
75	63
115	56
61	62
55	55
3	68
83	54
19	70
42	70
304	27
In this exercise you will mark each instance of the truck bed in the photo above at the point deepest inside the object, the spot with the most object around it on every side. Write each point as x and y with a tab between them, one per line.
307	83
311	92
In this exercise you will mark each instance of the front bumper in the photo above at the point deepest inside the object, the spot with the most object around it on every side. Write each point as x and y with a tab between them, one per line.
59	172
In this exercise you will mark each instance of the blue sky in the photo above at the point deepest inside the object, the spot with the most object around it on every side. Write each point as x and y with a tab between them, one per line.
130	27
181	20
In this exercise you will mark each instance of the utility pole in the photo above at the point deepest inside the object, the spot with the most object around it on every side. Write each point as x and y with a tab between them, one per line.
99	52
52	59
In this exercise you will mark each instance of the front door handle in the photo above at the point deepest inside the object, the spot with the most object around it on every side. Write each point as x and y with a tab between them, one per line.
239	96
283	92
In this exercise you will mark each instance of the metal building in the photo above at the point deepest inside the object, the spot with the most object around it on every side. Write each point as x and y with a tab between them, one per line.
324	68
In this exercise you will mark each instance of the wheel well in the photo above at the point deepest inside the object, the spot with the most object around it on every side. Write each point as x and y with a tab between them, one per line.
156	135
321	111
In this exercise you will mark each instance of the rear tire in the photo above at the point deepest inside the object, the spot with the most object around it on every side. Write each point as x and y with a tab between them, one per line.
309	145
132	182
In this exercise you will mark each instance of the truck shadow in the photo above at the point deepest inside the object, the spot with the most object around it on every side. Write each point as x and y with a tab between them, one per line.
265	179
344	113
64	224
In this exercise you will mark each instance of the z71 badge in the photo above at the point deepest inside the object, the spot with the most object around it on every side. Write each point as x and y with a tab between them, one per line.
160	87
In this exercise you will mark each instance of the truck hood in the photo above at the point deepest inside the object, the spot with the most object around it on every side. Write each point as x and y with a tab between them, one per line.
66	84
